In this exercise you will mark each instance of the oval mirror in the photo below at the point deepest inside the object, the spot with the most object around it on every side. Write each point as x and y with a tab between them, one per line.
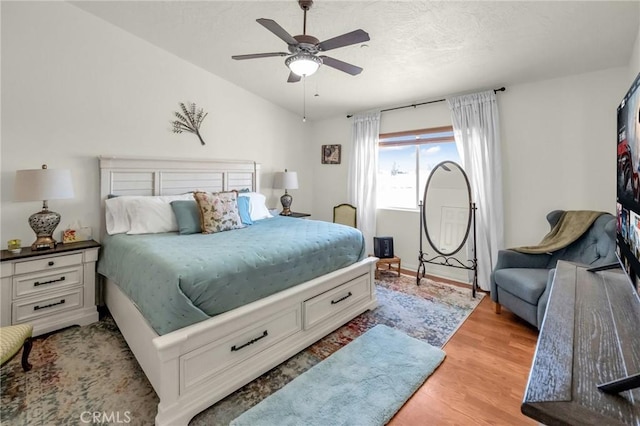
446	213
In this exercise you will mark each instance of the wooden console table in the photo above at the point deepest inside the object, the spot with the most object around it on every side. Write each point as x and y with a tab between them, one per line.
590	335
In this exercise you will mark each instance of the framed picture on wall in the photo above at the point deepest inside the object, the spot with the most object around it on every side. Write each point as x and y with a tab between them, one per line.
331	154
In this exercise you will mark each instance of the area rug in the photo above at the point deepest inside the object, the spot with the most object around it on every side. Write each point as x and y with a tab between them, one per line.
363	383
90	369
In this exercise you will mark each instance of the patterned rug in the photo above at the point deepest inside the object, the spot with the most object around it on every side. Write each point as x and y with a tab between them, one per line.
88	375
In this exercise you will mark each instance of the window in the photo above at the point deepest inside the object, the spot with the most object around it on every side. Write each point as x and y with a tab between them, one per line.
405	160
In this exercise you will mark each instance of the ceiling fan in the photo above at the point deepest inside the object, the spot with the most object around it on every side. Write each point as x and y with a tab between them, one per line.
303	58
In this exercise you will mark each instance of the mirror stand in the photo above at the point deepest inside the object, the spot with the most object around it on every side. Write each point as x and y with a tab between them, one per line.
472	264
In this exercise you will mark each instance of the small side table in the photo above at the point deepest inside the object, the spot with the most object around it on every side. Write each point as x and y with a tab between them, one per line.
388	264
49	289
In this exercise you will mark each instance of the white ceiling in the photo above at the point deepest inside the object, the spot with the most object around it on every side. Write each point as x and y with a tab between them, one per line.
419	50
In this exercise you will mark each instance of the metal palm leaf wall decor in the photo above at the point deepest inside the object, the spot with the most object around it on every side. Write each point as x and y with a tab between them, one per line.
189	120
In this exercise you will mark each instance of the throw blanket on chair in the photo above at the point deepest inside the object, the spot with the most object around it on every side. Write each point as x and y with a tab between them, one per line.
571	226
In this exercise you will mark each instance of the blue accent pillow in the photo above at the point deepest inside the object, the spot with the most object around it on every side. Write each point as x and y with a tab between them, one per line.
187	215
243	209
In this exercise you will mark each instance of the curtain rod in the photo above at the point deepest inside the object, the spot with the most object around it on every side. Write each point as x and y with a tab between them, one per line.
502	89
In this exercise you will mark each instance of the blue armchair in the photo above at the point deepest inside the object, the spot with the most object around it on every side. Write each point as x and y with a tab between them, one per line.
521	282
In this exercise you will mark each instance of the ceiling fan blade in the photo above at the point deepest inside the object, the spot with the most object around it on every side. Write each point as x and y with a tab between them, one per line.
357	36
293	78
259	55
275	28
342	66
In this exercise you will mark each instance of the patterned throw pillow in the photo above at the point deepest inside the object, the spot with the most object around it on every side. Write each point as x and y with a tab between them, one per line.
218	211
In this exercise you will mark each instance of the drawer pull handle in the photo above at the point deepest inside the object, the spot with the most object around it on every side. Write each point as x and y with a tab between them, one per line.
37	283
335	302
250	342
37	308
51	263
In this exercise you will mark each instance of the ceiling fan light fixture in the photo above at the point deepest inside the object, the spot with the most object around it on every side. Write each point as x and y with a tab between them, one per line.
303	64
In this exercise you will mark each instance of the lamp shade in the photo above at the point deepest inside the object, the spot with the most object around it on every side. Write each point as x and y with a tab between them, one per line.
43	184
285	180
303	64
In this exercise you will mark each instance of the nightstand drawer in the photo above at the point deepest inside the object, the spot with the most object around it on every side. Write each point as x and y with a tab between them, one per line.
28	309
27	284
38	265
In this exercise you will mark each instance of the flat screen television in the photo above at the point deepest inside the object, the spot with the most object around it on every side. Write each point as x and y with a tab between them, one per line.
628	183
628	204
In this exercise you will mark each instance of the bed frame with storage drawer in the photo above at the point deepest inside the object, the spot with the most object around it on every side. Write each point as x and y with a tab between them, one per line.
194	367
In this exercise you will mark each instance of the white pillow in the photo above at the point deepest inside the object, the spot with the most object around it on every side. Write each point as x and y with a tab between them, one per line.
116	217
142	214
257	205
150	216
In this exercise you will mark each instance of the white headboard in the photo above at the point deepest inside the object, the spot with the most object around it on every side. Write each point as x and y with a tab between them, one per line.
165	176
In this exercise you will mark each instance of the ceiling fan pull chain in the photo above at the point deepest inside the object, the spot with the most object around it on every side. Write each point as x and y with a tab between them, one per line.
304	99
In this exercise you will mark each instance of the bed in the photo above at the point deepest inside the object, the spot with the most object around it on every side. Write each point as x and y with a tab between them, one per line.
193	365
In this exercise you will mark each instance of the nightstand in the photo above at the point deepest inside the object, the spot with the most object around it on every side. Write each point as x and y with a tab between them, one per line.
50	289
297	214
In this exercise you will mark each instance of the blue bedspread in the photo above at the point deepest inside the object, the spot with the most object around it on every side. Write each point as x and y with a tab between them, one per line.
178	280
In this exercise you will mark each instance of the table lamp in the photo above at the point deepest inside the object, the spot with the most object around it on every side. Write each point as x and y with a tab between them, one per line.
42	185
286	180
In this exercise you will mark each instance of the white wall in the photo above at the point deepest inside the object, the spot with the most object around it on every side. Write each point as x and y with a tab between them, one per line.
634	61
558	149
75	87
329	180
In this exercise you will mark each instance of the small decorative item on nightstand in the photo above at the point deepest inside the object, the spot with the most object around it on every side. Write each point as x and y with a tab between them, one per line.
14	246
286	180
69	236
74	233
42	185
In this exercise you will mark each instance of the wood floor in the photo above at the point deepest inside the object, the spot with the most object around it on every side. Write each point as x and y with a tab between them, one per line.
483	377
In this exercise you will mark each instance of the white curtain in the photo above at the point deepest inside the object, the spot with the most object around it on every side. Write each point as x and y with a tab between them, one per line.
363	171
477	133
